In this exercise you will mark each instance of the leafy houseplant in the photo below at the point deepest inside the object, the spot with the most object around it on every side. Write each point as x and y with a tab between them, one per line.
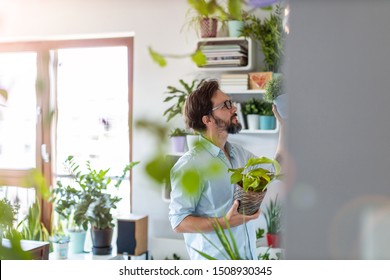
7	217
177	132
252	107
269	33
251	183
179	95
273	221
92	203
228	247
273	88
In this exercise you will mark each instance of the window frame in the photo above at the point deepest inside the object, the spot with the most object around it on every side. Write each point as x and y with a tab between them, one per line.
44	101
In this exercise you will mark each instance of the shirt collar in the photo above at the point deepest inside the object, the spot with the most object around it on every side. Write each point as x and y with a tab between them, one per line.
213	149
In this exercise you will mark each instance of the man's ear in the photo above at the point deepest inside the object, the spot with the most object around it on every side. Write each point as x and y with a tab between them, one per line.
206	120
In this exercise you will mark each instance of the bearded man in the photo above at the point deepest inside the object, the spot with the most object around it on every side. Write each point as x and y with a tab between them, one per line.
212	114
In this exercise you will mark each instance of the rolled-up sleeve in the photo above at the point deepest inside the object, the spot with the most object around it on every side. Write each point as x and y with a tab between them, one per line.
182	204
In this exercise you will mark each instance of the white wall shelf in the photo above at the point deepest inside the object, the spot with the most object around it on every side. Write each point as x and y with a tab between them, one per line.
245	42
244	92
260	131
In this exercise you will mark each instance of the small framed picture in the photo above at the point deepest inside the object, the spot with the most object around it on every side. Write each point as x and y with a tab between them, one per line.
258	80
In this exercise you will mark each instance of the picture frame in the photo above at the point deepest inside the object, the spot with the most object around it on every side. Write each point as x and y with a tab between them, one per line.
258	80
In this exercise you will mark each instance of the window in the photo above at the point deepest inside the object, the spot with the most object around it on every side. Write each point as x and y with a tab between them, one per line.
66	97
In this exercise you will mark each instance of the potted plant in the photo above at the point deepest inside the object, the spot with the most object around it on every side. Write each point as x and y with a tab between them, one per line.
274	93
235	16
178	140
7	217
204	17
269	34
67	199
272	218
179	95
60	244
267	118
251	182
251	110
95	203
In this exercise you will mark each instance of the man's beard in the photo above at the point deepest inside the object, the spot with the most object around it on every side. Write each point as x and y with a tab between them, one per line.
230	127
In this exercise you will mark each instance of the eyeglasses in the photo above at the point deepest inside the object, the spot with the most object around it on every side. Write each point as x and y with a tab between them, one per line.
228	104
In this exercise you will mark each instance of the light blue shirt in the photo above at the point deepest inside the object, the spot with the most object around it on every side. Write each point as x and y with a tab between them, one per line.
214	198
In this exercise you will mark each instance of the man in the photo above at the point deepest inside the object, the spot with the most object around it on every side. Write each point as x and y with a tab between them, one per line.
211	112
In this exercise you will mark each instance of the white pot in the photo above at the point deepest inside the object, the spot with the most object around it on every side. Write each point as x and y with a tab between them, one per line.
61	250
253	121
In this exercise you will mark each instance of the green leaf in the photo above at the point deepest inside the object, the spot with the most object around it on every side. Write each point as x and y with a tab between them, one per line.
237	254
158	58
199	58
236	176
234	7
190	181
157	168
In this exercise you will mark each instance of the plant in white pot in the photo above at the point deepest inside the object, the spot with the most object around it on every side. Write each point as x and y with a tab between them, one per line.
178	140
60	244
251	110
251	182
95	203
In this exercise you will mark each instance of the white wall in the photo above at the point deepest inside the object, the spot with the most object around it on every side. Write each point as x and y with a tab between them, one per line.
155	23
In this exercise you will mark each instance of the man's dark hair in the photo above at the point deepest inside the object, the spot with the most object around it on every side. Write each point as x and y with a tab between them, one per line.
199	104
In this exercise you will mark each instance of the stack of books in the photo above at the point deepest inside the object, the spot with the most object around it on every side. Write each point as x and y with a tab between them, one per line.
228	55
234	82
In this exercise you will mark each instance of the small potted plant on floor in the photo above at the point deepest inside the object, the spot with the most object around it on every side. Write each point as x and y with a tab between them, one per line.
273	221
251	182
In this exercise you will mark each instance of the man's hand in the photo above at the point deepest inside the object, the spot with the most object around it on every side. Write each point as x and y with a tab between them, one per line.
234	218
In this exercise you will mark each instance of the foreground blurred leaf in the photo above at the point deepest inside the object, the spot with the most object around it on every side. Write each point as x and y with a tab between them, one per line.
36	179
158	58
199	58
190	181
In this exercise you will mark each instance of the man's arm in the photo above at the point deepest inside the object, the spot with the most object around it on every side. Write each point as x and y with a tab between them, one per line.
191	224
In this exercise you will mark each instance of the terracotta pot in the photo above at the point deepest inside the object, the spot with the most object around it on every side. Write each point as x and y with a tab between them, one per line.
208	27
273	240
249	201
